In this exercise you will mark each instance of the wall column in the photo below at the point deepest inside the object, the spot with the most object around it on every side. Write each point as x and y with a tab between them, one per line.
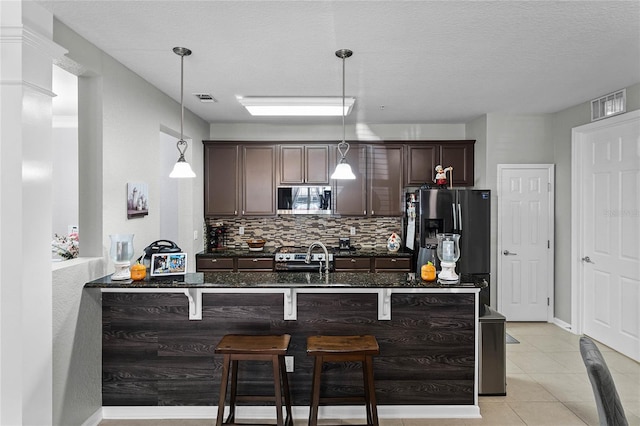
26	56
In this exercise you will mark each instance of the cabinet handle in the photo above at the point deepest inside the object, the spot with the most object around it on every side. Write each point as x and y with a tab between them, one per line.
214	260
393	260
235	212
353	261
364	212
255	260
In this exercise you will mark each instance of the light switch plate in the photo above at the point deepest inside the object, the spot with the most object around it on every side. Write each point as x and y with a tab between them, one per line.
241	230
353	230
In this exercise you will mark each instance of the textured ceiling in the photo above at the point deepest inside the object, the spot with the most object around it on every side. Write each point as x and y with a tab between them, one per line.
413	62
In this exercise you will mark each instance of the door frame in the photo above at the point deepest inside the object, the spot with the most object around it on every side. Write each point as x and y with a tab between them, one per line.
550	274
577	148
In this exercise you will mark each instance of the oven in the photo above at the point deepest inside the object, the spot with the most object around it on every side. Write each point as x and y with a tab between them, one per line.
292	259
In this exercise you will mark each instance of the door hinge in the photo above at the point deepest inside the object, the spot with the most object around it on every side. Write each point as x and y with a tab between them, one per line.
548	244
548	186
547	301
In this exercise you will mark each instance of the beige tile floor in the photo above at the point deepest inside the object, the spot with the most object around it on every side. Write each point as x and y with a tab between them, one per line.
546	385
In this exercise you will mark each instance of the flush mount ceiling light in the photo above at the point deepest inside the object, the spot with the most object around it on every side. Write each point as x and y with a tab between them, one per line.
343	169
182	169
296	105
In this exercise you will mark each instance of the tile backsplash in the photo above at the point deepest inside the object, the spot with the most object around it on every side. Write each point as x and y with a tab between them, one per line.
301	230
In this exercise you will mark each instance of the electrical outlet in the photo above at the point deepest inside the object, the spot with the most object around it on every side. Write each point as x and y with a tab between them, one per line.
353	230
195	235
288	363
241	230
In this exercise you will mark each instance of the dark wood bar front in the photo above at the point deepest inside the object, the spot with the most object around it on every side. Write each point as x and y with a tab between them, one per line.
154	355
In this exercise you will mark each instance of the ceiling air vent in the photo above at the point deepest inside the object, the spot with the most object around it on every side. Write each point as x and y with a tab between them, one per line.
205	97
612	104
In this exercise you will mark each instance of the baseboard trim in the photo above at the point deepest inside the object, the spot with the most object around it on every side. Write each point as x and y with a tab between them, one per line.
563	325
94	419
299	412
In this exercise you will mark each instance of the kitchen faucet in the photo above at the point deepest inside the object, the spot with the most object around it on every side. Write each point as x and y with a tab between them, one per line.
307	258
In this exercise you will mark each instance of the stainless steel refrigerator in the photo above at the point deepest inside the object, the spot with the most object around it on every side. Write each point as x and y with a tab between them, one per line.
462	211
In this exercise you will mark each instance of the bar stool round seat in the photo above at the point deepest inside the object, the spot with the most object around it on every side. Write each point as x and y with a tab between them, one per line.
343	349
243	347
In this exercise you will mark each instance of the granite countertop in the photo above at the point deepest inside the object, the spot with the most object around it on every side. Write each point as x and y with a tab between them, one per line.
269	251
286	280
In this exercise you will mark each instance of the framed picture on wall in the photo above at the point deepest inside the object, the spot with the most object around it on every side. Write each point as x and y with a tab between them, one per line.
137	199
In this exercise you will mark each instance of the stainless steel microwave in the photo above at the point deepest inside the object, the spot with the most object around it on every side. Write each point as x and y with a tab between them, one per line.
304	200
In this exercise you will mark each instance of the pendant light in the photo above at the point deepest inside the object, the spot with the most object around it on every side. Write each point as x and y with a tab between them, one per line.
343	169
182	169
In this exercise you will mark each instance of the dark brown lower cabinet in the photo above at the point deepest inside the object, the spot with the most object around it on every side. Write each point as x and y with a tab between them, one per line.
153	355
261	264
216	264
352	264
392	264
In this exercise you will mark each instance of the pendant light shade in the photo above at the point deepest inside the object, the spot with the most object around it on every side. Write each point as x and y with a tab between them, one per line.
182	169
343	169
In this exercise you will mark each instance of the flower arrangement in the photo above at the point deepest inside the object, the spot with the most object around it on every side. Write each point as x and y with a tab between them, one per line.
65	246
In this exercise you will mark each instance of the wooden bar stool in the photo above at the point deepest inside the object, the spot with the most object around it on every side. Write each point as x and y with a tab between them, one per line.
241	347
343	349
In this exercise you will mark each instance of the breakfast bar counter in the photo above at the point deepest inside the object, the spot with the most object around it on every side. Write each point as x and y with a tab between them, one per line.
158	345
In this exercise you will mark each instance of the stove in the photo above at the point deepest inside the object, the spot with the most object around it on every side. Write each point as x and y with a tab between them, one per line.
288	258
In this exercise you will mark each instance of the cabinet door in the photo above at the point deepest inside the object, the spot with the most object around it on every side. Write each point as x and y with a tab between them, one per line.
421	161
214	264
392	264
350	195
258	183
352	264
460	156
317	164
385	182
291	164
258	264
220	180
304	164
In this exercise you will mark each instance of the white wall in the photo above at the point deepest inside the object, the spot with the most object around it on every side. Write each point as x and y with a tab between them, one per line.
371	132
121	117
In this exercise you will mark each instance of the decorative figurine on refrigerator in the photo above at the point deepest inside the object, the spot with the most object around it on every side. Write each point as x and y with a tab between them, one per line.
441	176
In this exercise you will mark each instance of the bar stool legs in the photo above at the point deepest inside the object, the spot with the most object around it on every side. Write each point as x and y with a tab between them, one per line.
343	349
254	348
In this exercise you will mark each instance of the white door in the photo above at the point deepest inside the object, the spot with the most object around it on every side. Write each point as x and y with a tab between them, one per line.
607	248
525	241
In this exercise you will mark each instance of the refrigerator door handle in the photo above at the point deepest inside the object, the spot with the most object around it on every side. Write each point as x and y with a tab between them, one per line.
455	222
460	217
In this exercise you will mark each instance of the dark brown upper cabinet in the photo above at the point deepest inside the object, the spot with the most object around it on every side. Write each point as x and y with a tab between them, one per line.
385	180
221	179
304	164
351	195
460	157
422	158
258	180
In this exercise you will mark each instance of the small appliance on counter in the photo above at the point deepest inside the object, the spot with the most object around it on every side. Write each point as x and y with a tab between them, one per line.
158	247
121	253
344	243
216	239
